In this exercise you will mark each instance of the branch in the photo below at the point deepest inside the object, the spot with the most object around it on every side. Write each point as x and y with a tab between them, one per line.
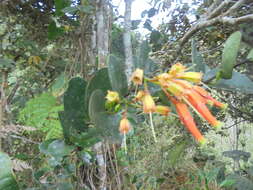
206	23
218	10
234	7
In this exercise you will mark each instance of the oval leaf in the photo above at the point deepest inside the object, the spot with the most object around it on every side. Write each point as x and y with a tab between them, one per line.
7	180
117	75
229	55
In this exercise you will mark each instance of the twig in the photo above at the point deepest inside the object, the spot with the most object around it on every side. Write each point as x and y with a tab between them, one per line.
234	124
218	10
234	7
12	93
23	139
219	19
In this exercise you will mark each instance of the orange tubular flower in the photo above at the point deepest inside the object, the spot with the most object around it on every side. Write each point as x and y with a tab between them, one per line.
124	126
186	118
148	103
205	94
197	102
175	89
163	110
183	83
176	69
137	76
194	77
139	95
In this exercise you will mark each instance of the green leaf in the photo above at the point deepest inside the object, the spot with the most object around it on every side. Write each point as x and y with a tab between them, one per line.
211	175
42	113
197	58
250	55
240	182
147	25
75	112
142	61
85	9
59	5
101	81
58	85
6	63
54	31
108	125
155	38
151	12
56	149
117	75
227	183
96	104
238	82
176	152
70	10
74	97
7	180
135	24
229	54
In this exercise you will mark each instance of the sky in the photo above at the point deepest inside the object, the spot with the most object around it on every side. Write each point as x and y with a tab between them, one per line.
138	7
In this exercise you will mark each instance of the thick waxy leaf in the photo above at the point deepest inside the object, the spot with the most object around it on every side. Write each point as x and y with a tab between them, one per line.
240	182
239	82
117	75
74	114
107	124
237	155
197	59
142	61
74	104
229	54
56	149
250	55
96	104
100	81
7	180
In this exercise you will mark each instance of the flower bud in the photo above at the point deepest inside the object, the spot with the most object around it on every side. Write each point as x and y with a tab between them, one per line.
148	103
163	110
137	76
195	77
124	126
176	69
112	96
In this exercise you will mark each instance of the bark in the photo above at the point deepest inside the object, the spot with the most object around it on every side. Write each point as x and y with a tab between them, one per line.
127	40
3	103
103	20
101	161
103	30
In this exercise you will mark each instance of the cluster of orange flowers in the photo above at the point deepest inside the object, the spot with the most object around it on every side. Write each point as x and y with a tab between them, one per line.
181	88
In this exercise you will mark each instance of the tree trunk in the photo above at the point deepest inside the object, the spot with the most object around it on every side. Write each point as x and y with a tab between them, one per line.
3	103
103	31
127	40
103	18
